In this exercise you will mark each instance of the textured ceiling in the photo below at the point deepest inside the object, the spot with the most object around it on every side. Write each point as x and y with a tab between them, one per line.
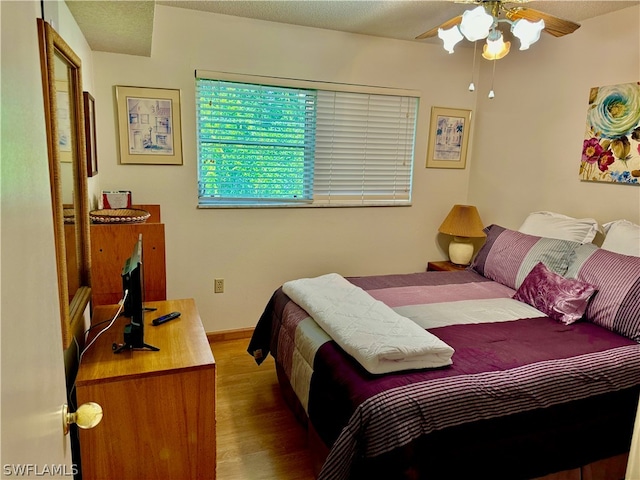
118	26
124	26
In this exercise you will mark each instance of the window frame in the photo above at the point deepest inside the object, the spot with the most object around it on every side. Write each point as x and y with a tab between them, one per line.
314	85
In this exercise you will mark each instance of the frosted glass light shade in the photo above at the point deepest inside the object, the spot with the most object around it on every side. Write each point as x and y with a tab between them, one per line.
450	37
476	24
527	32
496	48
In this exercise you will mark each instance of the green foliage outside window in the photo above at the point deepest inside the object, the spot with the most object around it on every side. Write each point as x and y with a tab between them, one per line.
255	142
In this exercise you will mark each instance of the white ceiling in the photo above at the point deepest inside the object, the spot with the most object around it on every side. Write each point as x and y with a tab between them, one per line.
124	26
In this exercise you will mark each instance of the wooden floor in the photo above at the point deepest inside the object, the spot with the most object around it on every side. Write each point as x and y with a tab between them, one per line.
257	436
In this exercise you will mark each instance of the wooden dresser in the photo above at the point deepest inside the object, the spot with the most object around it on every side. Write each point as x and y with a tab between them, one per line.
112	244
159	407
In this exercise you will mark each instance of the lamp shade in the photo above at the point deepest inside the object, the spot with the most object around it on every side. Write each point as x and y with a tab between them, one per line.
463	221
476	24
528	32
495	48
450	37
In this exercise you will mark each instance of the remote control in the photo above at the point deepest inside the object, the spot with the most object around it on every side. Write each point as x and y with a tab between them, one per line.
165	318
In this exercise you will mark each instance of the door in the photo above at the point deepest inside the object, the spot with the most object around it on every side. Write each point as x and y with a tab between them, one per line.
33	377
633	467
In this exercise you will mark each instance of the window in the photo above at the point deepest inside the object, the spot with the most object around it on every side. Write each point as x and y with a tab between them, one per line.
268	142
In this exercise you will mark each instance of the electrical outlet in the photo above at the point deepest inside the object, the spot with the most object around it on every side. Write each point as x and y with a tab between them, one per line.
218	285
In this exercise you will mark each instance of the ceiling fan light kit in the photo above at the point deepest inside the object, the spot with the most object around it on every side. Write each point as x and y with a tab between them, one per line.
478	24
482	22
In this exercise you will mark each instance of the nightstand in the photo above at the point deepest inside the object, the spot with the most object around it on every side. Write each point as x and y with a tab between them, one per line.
444	266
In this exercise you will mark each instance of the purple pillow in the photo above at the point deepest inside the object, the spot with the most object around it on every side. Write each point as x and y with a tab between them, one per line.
562	299
616	306
508	256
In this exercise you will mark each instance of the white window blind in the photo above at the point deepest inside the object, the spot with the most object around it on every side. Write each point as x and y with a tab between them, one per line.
309	144
364	148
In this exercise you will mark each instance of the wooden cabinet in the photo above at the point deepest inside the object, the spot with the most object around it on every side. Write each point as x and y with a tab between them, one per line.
159	407
112	244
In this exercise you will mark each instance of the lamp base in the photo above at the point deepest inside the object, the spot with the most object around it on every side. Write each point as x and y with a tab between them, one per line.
461	251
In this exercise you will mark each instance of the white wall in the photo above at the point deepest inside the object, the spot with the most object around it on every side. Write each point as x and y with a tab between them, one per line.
528	139
256	250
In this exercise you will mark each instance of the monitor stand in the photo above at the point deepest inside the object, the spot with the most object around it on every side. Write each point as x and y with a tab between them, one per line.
132	342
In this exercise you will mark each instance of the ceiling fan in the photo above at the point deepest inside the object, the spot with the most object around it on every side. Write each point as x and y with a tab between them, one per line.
553	25
482	22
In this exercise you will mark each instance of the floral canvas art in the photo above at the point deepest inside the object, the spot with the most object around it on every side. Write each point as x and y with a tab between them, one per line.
611	148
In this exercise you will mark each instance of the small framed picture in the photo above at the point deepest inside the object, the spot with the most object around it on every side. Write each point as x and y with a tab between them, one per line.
149	125
90	133
448	138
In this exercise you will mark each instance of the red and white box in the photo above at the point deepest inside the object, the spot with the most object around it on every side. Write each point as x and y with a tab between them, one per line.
116	199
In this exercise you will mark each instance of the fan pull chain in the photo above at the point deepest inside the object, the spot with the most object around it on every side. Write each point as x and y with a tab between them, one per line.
472	87
493	75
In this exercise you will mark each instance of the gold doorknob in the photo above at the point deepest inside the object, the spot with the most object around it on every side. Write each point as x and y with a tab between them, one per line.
88	415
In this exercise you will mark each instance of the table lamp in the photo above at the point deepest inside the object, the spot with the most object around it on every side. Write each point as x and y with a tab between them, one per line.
463	222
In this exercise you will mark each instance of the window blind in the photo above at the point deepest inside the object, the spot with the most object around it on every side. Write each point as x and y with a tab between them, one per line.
264	145
364	148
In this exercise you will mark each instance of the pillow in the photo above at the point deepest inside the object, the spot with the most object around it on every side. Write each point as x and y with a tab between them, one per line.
622	237
508	256
556	225
562	299
616	305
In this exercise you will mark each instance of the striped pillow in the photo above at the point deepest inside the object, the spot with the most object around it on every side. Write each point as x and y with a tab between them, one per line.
616	304
508	256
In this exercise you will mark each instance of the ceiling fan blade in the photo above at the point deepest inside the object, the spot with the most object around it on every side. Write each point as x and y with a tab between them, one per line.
434	31
552	25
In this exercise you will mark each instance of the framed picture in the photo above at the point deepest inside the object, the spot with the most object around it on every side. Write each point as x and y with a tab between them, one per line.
90	133
611	145
149	125
448	138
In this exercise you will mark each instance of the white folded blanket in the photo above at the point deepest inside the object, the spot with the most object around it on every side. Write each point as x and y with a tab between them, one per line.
367	329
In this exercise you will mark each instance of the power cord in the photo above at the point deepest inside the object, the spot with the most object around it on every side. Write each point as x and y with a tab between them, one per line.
115	317
86	333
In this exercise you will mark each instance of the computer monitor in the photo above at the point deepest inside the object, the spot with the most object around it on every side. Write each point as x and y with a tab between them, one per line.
133	308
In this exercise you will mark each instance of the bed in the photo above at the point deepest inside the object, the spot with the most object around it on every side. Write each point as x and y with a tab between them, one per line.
542	375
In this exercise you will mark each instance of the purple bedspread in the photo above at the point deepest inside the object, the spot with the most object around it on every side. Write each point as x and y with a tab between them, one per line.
536	372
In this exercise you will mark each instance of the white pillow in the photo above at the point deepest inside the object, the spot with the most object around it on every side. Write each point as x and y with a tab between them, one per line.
556	225
622	237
